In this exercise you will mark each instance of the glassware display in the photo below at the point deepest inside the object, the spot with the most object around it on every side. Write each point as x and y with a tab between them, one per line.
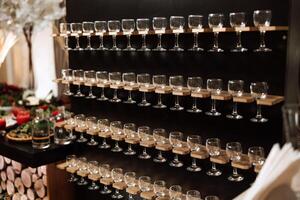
176	82
236	89
105	173
83	167
130	80
143	26
256	155
117	176
160	136
103	125
115	78
71	161
177	26
130	181
194	143
100	28
195	85
213	147
215	20
116	129
70	121
193	195
90	79
61	135
175	139
102	78
40	130
195	24
88	29
93	169
128	26
144	134
81	125
262	19
67	76
259	90
238	20
65	30
76	29
130	132
159	25
175	192
92	127
144	80
234	152
114	27
159	82
160	188
214	86
78	77
144	183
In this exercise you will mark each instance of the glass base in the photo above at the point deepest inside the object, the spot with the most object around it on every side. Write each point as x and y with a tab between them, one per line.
216	49
92	143
89	49
68	93
102	49
129	101
115	100
176	49
176	163
259	120
263	49
117	196
177	108
115	49
213	113
102	99
159	49
91	97
41	146
144	104
93	187
144	156
72	137
105	190
235	177
78	49
194	168
195	49
81	140
129	152
82	182
214	172
79	95
237	116
129	49
144	49
72	179
194	110
68	48
239	49
116	149
159	159
159	106
104	146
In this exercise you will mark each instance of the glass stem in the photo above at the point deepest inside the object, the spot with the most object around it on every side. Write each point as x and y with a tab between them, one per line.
78	89
145	151
176	39
262	39
81	136
92	139
117	144
117	192
114	41
213	105
115	94
159	100
89	41
91	91
195	40
194	162
71	133
129	95
176	158
102	93
159	41
234	108
77	42
235	172
159	154
128	41
177	101
66	42
144	41
101	41
68	88
213	166
104	141
194	103
239	39
144	97
216	40
130	197
258	112
129	147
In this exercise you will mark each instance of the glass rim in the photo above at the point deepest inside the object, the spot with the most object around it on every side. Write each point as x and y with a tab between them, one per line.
233	13
177	133
177	16
100	21
143	74
256	147
126	73
159	18
265	11
77	23
231	81
214	79
87	22
111	21
127	19
218	14
195	16
143	19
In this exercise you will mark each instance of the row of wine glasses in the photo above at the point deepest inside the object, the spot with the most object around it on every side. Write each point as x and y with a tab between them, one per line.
118	175
261	18
235	88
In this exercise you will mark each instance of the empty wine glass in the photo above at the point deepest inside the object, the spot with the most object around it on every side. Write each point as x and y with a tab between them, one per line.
195	24
68	77
175	139
177	25
214	86
65	30
175	192
103	125
70	121
159	25
259	90
213	147
102	78
215	20
144	183
116	129
256	155
160	136
129	79
71	161
117	176
193	195
105	173
129	179
176	82
234	152
159	188
212	197
236	89
194	143
262	19
144	80
83	167
115	78
90	79
143	26
100	28
76	28
92	127
195	85
81	125
130	132
78	76
93	168
144	133
128	26
114	27
88	29
237	20
159	82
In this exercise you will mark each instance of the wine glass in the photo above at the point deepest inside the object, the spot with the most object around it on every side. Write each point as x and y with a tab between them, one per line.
70	121
129	179
114	27
71	161
129	79
236	89
93	168
237	20
144	135
177	25
102	78
76	28
83	167
159	25
215	20
234	152
128	26
68	77
194	143
103	125
105	173
115	78
144	80
92	127
142	26
159	81
160	188
78	76
175	139
214	86
175	192
116	129
100	28
130	132
88	29
193	195
65	30
212	197
160	136
262	19
259	90
256	155
117	176
213	147
195	85
176	82
195	24
144	183
81	125
90	78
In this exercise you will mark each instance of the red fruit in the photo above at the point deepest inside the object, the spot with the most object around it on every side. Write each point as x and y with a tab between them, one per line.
44	107
23	112
2	124
55	112
16	110
22	119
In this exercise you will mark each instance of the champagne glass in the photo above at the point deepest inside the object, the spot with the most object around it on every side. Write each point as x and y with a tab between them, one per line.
88	29
105	173
129	79
237	20
71	161
102	78
259	90
195	24
81	125
215	20
144	135
214	86
114	27
68	77
100	28
234	152
76	28
195	85
160	136
175	192
144	183
175	139
115	78
142	26
70	121
90	78
91	123
176	82
78	76
65	30
256	155
117	176
160	188
262	19
83	167
236	89
177	25
93	168
159	81
194	143
103	125
116	129
211	197
129	179
128	26
144	80
213	147
193	195
130	132
159	25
